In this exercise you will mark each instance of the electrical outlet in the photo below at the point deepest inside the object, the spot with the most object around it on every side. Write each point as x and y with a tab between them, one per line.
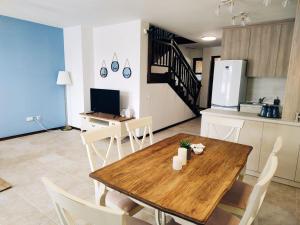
29	119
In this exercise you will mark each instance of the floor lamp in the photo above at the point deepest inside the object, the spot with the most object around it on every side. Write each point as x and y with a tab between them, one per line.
63	78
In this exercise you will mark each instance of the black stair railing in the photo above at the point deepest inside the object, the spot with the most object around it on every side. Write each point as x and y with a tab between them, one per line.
166	53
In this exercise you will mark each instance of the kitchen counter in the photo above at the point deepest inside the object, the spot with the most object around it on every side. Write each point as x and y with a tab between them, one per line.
246	116
261	133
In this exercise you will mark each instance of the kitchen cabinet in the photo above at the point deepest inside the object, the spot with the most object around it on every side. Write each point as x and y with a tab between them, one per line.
292	88
297	177
284	49
288	156
261	133
267	47
235	43
252	133
263	50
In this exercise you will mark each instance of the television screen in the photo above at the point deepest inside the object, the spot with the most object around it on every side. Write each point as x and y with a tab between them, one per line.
105	101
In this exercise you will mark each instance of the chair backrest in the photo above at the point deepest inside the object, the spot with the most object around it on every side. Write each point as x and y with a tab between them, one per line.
71	209
225	129
259	191
89	139
277	146
142	123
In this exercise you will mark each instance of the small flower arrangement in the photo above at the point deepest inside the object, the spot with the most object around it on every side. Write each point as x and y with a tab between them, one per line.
185	144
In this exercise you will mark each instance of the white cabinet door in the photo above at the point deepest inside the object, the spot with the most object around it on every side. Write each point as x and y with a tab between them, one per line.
251	134
288	156
297	178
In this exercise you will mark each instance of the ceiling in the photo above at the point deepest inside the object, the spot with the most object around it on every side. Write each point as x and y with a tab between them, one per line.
190	18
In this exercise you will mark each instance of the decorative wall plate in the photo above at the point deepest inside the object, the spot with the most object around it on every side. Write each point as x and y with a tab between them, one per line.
127	70
115	64
103	70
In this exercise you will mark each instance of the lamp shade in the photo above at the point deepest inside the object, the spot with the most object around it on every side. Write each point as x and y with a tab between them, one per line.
63	78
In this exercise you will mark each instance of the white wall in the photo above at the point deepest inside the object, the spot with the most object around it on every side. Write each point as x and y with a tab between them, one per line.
86	48
191	53
124	39
265	87
207	54
78	61
159	100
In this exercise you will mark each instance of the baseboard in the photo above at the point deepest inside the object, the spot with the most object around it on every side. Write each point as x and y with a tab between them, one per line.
276	179
75	128
175	124
27	134
170	126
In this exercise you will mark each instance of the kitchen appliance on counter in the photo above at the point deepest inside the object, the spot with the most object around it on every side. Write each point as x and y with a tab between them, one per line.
229	84
251	107
270	111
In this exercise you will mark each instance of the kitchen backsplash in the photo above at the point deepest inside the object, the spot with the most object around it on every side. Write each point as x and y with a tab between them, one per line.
265	87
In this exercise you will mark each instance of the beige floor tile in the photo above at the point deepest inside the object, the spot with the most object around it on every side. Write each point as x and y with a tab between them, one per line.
61	157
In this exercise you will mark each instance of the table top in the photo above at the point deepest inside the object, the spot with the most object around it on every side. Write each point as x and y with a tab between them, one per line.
191	193
106	116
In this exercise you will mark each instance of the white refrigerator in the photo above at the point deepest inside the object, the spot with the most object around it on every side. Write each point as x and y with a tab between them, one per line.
229	84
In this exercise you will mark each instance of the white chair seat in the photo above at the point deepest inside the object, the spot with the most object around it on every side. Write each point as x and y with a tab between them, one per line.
238	195
116	200
220	217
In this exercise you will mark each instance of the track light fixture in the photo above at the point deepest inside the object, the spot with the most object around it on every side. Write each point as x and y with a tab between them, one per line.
243	17
225	3
268	2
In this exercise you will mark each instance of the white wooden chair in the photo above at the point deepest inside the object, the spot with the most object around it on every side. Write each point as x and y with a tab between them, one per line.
277	146
225	129
235	200
104	197
71	209
221	217
132	127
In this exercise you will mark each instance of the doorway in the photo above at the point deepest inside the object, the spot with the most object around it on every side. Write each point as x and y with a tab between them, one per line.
213	60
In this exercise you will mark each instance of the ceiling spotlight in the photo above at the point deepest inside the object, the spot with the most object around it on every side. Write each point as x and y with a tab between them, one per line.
267	2
284	3
233	21
208	38
243	17
225	3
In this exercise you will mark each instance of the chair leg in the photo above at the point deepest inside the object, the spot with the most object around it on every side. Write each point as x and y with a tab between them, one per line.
160	217
242	174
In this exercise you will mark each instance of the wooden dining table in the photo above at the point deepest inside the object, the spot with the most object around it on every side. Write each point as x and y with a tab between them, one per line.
191	193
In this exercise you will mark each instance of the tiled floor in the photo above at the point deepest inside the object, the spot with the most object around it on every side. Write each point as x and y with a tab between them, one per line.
61	157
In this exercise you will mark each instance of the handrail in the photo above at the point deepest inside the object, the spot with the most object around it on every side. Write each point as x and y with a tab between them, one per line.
186	66
165	52
175	47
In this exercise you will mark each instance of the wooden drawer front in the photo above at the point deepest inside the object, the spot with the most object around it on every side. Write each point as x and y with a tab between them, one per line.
251	135
288	156
95	126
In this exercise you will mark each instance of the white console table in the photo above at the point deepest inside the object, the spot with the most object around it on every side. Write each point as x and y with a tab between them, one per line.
94	120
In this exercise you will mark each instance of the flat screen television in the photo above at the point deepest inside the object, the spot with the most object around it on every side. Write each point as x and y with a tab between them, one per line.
105	101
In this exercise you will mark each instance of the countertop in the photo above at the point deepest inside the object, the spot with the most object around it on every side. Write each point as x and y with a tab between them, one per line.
246	116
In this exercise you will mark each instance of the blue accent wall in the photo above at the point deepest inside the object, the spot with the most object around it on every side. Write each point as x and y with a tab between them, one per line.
31	55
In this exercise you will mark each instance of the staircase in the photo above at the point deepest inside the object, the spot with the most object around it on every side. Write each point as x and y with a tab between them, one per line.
167	64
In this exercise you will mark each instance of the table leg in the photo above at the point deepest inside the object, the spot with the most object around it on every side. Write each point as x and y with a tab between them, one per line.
160	217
